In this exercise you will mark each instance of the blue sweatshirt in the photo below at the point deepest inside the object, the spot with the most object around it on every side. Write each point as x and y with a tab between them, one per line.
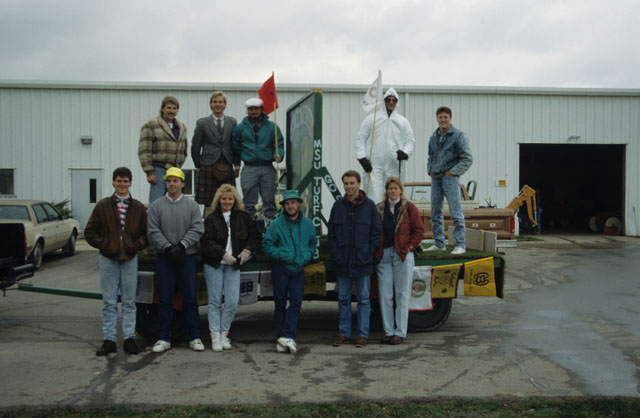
290	241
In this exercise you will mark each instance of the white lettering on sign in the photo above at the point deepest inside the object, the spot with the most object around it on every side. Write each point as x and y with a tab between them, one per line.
332	186
316	192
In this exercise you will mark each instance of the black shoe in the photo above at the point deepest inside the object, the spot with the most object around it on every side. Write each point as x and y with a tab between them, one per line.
108	346
130	346
387	339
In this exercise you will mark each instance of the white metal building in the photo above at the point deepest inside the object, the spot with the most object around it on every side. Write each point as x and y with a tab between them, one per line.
63	139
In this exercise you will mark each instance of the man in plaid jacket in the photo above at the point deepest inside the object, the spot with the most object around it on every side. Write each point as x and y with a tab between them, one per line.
163	144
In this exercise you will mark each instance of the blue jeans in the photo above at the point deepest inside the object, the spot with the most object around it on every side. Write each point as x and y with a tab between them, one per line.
448	187
223	278
122	276
539	219
395	274
292	283
344	304
160	188
167	273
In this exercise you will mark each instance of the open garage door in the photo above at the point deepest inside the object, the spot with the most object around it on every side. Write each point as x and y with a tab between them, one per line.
575	183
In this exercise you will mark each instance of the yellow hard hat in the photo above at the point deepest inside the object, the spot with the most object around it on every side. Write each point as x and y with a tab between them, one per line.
175	172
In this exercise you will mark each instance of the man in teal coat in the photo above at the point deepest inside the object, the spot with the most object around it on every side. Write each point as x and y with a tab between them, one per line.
254	141
291	242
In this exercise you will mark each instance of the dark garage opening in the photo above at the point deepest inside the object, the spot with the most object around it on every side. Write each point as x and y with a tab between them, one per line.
575	184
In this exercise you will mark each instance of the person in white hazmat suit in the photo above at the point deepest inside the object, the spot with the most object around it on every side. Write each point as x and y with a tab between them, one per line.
393	143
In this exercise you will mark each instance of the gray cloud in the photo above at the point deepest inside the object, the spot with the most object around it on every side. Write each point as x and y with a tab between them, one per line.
456	42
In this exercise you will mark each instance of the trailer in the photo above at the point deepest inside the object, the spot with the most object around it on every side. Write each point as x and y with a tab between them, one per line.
260	265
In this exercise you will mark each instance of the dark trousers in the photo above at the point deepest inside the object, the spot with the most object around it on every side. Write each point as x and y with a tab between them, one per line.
168	272
285	282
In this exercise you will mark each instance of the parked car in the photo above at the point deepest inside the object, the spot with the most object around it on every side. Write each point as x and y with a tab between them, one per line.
46	229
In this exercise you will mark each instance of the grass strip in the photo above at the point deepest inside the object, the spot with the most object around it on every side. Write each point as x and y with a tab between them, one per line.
471	407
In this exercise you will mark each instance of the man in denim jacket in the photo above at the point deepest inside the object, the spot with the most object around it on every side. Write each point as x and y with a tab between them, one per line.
449	158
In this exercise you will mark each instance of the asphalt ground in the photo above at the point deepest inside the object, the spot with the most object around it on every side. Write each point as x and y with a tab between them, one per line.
569	325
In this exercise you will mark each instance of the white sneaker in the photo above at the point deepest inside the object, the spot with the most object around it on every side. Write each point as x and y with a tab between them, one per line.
458	250
288	343
196	345
435	248
161	346
216	343
292	346
280	349
224	341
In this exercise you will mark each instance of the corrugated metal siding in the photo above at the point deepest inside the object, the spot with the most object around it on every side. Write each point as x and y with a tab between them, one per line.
41	125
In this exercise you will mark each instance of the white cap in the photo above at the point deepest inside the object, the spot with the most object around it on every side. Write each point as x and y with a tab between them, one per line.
391	92
253	102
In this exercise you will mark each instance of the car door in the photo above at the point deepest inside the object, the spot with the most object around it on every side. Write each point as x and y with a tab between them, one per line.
56	221
45	228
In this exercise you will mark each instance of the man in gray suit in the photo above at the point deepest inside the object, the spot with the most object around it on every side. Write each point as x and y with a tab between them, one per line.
211	151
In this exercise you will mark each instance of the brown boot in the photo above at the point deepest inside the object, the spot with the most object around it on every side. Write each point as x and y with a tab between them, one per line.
341	340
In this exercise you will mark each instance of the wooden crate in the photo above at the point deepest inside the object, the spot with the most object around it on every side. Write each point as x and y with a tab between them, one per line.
486	219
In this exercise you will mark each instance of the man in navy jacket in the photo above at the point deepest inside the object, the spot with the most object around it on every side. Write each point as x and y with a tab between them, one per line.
355	231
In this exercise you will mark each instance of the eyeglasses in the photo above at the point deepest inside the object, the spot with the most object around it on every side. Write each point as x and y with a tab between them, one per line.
391	99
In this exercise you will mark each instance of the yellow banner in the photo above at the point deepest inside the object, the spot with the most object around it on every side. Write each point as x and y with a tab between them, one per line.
444	284
479	278
315	279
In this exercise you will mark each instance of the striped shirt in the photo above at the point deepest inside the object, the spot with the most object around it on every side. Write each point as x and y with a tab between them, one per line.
123	204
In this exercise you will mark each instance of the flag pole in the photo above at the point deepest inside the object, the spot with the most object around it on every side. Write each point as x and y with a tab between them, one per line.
373	135
275	125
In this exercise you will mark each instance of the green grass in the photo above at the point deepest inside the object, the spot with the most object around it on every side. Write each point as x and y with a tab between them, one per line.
528	238
547	407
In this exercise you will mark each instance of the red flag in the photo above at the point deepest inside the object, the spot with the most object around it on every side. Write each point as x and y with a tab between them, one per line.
267	94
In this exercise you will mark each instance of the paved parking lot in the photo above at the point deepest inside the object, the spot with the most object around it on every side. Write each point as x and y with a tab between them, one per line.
569	325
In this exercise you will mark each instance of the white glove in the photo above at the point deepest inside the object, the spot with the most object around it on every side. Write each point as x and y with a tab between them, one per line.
229	259
244	256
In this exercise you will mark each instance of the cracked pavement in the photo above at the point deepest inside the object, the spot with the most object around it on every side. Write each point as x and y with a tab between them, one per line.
569	326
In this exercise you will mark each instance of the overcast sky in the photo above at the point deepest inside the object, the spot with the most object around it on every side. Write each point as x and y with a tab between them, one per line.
536	43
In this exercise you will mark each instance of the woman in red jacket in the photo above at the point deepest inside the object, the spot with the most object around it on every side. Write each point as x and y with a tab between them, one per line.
402	231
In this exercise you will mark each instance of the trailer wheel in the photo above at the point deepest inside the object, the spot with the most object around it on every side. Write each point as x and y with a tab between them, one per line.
147	322
424	321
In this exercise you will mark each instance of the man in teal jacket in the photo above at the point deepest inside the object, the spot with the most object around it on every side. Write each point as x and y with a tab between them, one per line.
254	141
291	242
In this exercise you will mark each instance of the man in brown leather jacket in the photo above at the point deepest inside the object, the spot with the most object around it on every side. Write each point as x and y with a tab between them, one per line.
118	228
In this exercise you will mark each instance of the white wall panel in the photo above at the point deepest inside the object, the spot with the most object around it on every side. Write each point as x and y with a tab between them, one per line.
41	125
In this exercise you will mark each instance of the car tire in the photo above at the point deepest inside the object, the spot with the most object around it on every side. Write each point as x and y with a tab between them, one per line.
147	322
36	255
69	248
426	321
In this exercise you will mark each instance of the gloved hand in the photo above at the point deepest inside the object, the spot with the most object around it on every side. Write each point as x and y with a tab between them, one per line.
176	253
366	164
229	259
244	256
402	155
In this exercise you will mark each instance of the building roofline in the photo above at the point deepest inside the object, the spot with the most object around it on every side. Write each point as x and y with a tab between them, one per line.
292	87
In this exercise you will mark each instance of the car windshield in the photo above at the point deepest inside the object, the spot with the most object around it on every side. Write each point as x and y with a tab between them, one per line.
14	212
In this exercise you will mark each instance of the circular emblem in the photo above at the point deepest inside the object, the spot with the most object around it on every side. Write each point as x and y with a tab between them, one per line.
418	288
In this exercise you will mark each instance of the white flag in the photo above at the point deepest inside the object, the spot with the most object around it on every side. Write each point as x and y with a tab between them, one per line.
421	289
373	97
